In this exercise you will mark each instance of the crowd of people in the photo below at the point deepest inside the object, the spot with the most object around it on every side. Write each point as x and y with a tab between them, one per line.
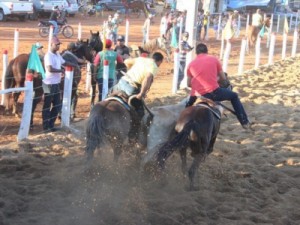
203	72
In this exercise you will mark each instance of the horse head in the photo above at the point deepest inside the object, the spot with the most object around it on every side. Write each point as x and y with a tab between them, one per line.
95	41
83	50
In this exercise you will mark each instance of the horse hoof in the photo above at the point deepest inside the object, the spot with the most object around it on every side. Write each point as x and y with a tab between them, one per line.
17	115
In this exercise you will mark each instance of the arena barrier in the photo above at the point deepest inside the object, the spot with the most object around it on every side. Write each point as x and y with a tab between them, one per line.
5	64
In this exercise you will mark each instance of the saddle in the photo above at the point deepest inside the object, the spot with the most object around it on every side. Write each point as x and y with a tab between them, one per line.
134	106
209	104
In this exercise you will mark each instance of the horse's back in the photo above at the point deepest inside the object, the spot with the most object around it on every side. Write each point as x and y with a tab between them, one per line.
114	116
16	70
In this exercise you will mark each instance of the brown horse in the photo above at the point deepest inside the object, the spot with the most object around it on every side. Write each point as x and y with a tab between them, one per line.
15	77
136	6
253	32
111	121
196	128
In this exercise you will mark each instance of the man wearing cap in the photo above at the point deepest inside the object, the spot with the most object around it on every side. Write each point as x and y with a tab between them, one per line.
121	48
52	103
110	55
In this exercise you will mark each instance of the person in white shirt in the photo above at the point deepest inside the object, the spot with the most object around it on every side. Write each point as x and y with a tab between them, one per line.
257	20
163	25
51	84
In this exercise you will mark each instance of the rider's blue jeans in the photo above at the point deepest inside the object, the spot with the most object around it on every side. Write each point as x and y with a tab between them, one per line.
223	94
55	27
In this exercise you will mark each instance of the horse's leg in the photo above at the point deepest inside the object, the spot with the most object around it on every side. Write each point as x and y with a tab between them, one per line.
183	160
93	93
15	103
6	102
37	98
193	170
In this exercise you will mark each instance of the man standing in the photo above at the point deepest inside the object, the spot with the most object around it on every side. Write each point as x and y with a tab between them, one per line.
257	20
52	103
112	57
53	19
115	22
121	48
203	74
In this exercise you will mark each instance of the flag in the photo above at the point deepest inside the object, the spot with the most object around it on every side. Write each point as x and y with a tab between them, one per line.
34	62
286	26
174	42
262	31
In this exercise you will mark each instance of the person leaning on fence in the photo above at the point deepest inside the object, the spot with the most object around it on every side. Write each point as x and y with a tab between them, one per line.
112	57
55	14
184	48
203	74
51	84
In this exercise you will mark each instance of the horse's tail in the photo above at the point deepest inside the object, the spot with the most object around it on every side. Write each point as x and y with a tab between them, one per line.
9	75
180	140
95	129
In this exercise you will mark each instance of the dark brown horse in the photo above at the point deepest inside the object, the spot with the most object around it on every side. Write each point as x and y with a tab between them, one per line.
111	122
196	128
136	6
15	77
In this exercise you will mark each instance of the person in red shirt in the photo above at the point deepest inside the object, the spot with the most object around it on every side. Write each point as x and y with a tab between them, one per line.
203	76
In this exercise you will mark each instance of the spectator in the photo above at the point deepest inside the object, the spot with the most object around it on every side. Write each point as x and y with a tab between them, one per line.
51	85
112	57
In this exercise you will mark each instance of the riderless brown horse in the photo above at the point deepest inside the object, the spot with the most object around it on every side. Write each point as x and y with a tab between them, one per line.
197	128
15	77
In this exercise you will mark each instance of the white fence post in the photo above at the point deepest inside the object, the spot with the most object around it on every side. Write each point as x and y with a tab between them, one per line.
291	21
148	31
226	55
278	22
4	67
247	23
271	51
257	52
127	32
16	43
27	109
238	27
219	26
207	29
242	56
294	48
79	31
50	37
284	40
176	71
88	77
222	46
105	79
66	104
270	31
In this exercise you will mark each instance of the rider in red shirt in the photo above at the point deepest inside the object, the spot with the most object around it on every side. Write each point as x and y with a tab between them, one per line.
204	73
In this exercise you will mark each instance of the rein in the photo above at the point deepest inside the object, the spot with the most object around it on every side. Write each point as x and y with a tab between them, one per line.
216	112
227	108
